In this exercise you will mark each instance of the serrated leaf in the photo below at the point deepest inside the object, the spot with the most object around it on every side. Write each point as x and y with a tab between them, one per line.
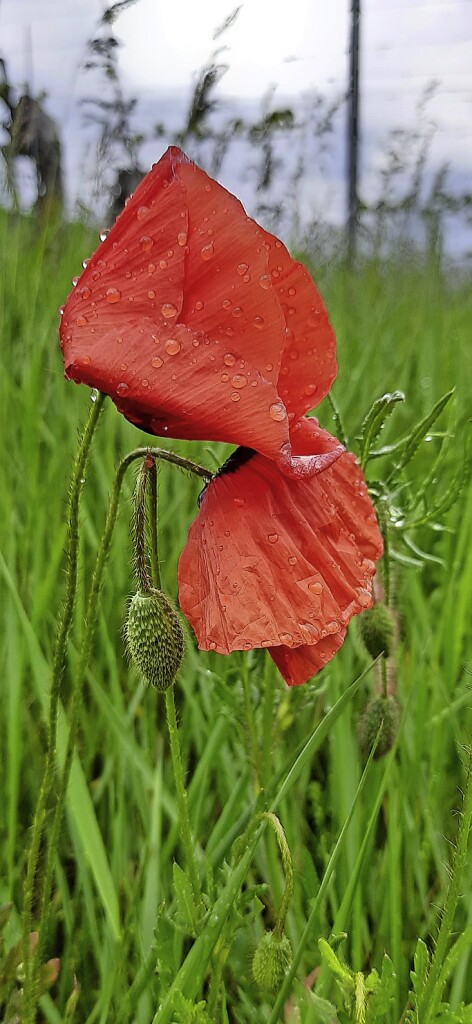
421	961
375	421
187	914
326	1012
418	435
383	996
342	973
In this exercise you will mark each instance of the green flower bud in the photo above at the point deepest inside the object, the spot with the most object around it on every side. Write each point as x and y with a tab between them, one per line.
271	961
385	710
376	630
154	638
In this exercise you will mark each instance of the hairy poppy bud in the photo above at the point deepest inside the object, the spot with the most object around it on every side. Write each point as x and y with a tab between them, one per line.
154	638
380	710
271	961
376	630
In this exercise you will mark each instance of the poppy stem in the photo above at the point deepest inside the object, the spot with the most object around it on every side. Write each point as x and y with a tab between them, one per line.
59	664
287	864
185	827
153	502
140	555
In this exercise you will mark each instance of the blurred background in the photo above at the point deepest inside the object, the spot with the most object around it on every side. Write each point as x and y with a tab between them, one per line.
341	127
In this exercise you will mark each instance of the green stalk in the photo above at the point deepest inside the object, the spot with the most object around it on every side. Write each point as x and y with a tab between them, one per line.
59	663
185	827
431	995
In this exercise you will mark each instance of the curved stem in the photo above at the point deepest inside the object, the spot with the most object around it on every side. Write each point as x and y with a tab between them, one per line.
59	663
89	630
286	856
153	501
140	557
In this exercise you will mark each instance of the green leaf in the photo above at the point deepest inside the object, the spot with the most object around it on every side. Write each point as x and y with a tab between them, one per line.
187	915
325	1011
421	962
418	435
343	974
375	421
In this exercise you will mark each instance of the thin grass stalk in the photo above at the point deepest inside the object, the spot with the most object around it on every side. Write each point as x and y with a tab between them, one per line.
59	663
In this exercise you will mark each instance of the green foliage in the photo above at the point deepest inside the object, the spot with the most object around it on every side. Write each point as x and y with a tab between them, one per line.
119	910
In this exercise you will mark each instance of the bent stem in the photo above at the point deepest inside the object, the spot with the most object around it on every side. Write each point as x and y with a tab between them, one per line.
59	662
74	708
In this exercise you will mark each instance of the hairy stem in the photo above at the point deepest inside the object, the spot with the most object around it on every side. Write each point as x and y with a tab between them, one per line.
59	662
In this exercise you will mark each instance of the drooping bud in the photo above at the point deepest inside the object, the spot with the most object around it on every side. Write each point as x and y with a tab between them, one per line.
154	637
376	629
271	961
381	711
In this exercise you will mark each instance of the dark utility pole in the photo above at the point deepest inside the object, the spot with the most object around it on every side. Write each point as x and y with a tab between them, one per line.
353	131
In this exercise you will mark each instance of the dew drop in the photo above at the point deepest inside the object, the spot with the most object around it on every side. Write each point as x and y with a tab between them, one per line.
212	645
142	213
87	360
85	263
292	560
310	389
229	331
85	293
294	353
269	367
229	359
172	346
170	253
242	269
81	321
224	377
151	294
239	381
208	189
163	264
277	411
237	311
273	538
315	587
239	502
113	295
122	388
235	396
285	638
258	322
199	305
207	251
169	311
226	303
265	281
124	366
151	268
182	238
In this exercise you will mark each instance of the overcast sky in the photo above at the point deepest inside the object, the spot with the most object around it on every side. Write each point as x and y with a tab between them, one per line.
298	47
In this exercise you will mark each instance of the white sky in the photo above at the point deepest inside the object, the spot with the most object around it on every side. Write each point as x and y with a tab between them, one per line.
297	46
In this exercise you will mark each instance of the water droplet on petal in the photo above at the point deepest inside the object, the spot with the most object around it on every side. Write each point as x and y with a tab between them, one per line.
265	281
172	346
113	295
122	388
273	538
239	381
199	305
182	237
294	353
310	389
237	311
212	645
258	322
208	251
315	587
142	213
226	303
277	411
285	638
242	269
224	377
85	263
81	321
146	243
291	291
169	311
151	268
239	502
229	359
163	264
235	396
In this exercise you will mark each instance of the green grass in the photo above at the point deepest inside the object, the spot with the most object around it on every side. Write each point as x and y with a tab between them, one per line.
398	326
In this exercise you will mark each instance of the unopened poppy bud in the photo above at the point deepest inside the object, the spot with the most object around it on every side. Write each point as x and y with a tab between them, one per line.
376	630
271	961
381	711
155	638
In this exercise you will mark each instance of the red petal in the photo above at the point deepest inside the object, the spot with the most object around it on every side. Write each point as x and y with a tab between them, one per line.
273	562
298	664
308	365
176	317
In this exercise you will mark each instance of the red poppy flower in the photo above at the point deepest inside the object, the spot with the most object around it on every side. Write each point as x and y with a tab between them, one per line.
199	325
